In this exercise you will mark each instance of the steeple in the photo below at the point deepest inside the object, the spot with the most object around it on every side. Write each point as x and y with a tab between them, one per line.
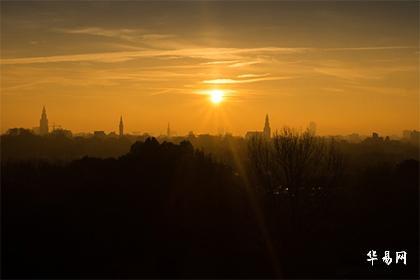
43	122
267	129
121	127
168	131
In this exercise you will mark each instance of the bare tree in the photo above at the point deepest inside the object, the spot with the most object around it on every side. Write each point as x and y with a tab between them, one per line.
260	152
295	164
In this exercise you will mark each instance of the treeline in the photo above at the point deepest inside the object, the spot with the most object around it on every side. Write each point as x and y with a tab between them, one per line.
161	210
326	205
22	144
296	205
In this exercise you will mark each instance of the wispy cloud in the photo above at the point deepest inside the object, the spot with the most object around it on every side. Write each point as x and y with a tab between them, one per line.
126	34
244	81
245	63
233	63
226	92
220	62
237	56
350	74
22	77
203	53
253	75
157	36
361	73
130	36
373	48
384	90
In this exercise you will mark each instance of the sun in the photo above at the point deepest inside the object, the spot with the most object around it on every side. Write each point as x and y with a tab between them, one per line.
216	96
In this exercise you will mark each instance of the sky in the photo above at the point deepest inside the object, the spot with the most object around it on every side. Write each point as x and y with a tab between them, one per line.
348	66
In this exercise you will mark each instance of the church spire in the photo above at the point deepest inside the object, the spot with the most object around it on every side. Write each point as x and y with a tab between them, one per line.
168	131
43	122
121	127
267	129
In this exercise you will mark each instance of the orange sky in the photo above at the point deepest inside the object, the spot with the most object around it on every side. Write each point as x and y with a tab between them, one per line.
348	66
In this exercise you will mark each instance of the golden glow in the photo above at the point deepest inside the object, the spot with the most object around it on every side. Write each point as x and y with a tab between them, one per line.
216	96
89	73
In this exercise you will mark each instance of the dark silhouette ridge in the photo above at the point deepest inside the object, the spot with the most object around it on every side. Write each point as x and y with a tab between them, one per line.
166	210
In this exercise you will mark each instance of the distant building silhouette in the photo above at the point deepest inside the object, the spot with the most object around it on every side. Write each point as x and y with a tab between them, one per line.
112	134
267	129
266	133
252	134
121	127
354	138
191	136
43	123
312	127
375	139
99	134
60	132
35	130
168	131
19	131
406	134
412	136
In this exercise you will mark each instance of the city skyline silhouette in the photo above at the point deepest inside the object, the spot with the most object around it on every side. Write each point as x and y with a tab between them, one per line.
209	139
43	129
208	65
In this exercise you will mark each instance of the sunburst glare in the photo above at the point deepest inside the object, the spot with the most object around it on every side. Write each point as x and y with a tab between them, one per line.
216	96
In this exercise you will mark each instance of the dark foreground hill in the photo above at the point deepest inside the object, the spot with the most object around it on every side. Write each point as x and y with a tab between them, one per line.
168	211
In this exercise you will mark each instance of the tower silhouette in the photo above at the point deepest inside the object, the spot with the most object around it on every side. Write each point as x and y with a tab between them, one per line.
168	131
121	127
43	123
267	129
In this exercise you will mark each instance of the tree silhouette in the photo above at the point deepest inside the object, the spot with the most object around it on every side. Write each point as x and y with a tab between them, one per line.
170	210
296	164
